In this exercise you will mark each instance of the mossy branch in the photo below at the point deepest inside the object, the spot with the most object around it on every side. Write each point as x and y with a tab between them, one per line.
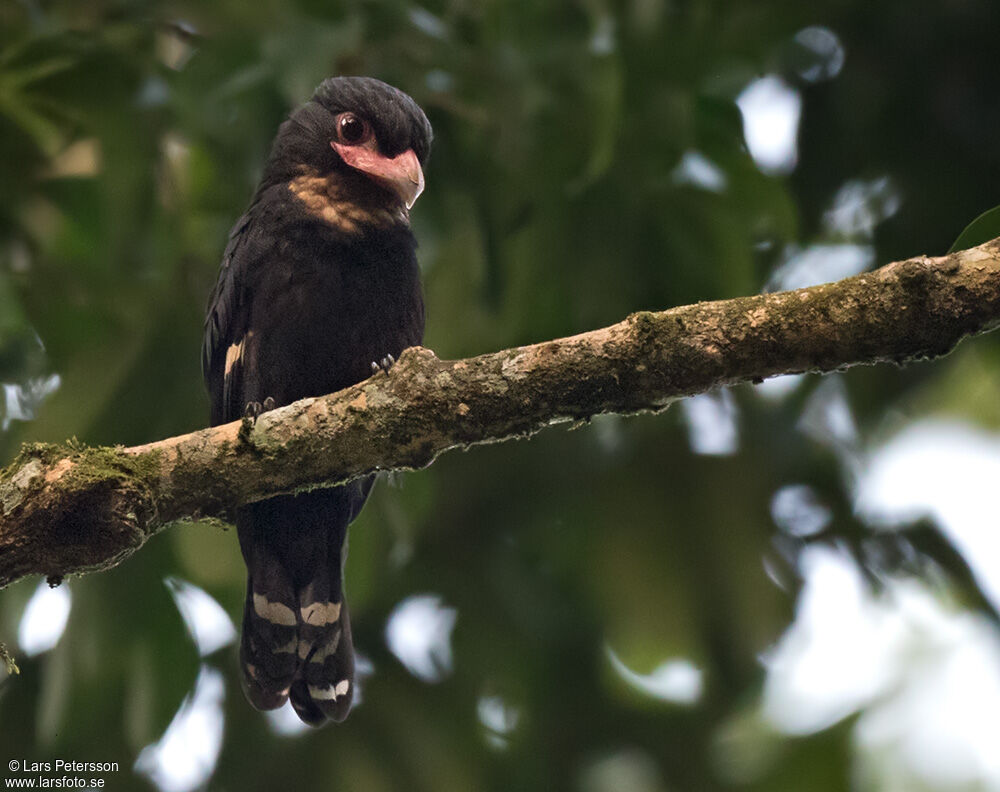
70	509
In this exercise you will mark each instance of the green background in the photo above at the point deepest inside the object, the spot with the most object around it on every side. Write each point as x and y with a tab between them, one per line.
131	137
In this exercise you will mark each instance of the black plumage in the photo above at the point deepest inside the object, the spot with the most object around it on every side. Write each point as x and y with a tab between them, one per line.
318	281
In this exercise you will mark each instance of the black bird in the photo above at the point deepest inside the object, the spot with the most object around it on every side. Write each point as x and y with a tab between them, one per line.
318	288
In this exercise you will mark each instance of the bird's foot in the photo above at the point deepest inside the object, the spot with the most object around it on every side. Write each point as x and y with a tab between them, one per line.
251	413
383	365
254	409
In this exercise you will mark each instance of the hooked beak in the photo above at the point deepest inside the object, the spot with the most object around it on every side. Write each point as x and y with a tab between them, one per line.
401	174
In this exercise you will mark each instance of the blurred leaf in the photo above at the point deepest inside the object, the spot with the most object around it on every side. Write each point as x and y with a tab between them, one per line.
982	229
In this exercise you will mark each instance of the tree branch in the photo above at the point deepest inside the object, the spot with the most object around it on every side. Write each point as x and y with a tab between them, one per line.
69	509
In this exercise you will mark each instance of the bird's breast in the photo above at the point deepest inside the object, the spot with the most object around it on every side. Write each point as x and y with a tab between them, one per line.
319	321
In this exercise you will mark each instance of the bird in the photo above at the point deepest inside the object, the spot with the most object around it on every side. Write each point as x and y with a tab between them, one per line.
319	288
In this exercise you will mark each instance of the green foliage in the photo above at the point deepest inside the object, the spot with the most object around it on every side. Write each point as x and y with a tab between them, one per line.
982	229
132	134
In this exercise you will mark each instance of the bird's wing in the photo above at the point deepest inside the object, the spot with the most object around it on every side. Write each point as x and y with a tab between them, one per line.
227	320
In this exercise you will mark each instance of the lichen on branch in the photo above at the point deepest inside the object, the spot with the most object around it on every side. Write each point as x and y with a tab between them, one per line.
70	508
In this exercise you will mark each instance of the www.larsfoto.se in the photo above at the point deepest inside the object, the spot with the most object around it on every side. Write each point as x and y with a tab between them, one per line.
56	782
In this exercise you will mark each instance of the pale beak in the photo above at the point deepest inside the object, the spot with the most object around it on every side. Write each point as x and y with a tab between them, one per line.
401	174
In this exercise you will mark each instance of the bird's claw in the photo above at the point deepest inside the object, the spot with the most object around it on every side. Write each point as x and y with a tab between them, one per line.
255	408
383	365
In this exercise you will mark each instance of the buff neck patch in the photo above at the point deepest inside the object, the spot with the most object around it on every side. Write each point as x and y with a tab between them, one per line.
325	197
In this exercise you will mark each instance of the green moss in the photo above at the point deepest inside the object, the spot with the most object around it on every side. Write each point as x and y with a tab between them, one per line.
246	430
23	474
92	469
8	660
644	322
92	465
47	453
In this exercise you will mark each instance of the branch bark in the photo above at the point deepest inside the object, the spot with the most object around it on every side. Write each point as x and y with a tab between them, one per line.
70	509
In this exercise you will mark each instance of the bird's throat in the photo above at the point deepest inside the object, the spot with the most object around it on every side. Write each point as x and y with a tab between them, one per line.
349	205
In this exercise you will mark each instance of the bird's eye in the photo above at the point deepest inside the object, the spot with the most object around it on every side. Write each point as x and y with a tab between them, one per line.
352	130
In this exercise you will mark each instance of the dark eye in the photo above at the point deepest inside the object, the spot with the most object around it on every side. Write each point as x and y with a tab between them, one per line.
352	130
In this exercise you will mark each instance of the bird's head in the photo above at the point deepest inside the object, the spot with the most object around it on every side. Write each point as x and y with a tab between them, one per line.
360	133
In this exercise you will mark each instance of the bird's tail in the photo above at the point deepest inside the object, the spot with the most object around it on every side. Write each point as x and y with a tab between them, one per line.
296	640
